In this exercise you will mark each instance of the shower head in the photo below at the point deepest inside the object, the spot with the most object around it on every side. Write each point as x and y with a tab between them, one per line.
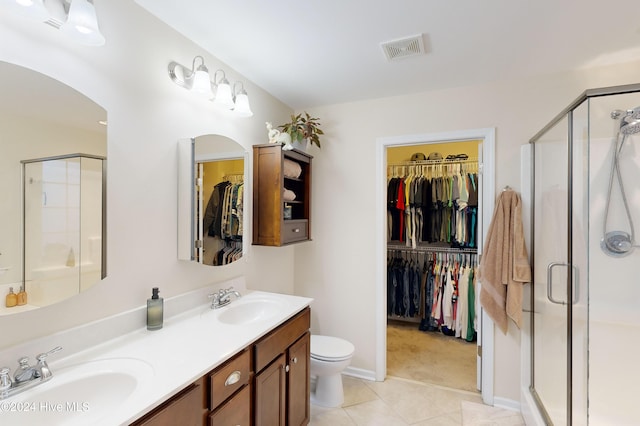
617	244
630	123
630	128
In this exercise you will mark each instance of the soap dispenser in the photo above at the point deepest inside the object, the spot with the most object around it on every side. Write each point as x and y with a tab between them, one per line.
155	311
22	296
11	299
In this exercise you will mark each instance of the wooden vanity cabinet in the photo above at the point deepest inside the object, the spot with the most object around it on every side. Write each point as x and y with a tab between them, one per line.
282	384
188	407
231	394
221	397
232	378
276	221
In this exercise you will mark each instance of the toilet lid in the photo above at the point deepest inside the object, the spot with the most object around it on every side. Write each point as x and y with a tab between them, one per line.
328	348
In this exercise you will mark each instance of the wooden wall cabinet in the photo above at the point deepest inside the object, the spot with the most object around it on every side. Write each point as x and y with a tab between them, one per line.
270	227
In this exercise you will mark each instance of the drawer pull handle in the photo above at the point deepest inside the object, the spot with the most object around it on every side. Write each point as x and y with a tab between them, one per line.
296	230
286	368
294	360
233	378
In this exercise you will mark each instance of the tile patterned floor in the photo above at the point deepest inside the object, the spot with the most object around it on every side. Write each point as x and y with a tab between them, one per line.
398	401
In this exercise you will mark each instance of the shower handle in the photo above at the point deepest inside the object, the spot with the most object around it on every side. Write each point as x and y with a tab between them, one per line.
550	267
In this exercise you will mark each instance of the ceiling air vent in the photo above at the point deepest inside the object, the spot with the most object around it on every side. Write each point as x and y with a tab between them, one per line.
403	48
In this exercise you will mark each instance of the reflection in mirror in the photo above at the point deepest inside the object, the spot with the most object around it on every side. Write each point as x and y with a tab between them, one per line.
217	165
63	211
54	209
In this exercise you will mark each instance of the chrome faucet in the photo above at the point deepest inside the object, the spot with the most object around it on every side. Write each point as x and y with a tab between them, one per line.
26	376
223	297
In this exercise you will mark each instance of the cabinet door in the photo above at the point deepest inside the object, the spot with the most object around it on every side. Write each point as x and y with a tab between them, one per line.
187	408
298	381
236	411
270	394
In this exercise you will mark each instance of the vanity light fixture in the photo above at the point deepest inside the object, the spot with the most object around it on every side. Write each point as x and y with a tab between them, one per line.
82	23
223	96
34	10
219	91
75	18
242	107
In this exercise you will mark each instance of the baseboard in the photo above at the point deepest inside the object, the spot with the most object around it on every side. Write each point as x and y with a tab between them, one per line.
529	410
507	404
360	373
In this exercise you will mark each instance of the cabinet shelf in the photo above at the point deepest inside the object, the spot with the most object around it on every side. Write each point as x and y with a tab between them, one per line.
271	226
293	179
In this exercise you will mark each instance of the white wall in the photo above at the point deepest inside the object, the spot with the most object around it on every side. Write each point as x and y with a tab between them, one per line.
337	268
147	115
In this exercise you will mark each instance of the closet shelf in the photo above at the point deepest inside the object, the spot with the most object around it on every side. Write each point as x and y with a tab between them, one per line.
432	162
398	246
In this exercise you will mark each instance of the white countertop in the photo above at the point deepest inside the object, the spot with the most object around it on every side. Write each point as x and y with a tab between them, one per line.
188	346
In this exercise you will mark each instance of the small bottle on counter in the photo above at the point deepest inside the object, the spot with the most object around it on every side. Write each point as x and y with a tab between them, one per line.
12	299
22	296
155	311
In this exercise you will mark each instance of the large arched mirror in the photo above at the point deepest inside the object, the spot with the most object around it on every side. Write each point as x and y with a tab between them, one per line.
211	200
52	168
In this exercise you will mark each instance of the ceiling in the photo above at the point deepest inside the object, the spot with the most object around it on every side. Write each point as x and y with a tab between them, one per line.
320	52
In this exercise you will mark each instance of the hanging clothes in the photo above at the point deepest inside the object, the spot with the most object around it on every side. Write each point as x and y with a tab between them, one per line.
403	286
223	214
433	205
439	292
222	223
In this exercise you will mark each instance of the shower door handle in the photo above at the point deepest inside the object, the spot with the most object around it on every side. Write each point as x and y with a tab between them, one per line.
550	281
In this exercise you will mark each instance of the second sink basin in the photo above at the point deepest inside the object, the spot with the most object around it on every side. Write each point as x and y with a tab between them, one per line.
250	309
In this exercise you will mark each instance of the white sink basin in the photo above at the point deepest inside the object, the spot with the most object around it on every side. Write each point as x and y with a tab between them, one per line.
81	394
250	309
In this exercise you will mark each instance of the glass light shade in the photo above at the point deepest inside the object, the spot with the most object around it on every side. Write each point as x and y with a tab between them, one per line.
82	24
242	108
202	83
31	9
223	98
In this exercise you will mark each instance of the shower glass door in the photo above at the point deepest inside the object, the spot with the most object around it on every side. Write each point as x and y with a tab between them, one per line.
551	271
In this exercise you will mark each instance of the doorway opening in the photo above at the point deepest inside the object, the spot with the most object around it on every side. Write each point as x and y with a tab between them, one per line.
403	348
432	196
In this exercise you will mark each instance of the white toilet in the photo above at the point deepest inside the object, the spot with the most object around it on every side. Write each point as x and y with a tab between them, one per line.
329	357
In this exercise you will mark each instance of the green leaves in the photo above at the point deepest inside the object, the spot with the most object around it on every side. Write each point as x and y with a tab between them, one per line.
303	127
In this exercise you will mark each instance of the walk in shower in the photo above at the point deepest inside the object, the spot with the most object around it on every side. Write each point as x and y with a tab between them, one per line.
63	226
585	311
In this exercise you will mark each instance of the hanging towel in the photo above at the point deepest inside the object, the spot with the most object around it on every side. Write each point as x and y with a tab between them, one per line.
505	263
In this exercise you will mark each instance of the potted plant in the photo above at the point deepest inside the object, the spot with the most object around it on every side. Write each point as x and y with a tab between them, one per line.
303	127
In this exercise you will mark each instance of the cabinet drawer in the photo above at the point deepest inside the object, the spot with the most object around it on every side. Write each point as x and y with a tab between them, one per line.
236	411
275	343
295	230
230	377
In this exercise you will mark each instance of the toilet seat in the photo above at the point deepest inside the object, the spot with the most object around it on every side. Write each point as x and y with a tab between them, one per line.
330	349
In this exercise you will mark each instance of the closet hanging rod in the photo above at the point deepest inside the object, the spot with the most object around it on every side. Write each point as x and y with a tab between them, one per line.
432	162
396	247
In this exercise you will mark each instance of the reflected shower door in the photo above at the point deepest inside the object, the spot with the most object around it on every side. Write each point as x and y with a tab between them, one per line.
551	271
63	226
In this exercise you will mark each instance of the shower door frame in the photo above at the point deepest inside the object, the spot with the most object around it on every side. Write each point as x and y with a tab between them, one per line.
568	114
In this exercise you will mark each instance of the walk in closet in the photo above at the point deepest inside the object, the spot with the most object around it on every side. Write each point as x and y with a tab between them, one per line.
432	225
